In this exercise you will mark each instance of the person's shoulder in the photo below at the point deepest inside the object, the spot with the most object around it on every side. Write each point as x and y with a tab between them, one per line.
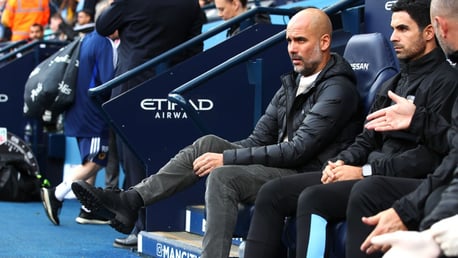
95	36
339	66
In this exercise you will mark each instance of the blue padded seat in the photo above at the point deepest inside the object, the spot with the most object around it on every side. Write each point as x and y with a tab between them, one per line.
373	61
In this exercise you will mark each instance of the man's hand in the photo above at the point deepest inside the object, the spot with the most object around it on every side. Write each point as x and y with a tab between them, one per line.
395	117
408	244
342	173
205	164
328	174
445	233
385	222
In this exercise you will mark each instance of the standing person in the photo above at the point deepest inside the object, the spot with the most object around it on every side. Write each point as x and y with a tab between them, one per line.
426	205
285	141
228	9
319	198
19	15
85	122
144	36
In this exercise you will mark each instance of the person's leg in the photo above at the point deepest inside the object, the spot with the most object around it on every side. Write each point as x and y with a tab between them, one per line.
317	206
276	200
94	156
176	175
80	172
227	186
134	172
91	180
112	168
367	198
93	153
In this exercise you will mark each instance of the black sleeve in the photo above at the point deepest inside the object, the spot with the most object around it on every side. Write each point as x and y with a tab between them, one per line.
432	128
335	105
196	30
411	207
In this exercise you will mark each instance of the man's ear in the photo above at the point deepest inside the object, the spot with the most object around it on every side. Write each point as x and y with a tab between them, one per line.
428	32
237	4
441	26
325	42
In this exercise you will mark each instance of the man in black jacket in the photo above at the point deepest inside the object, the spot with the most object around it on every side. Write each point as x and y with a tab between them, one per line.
315	113
427	80
421	208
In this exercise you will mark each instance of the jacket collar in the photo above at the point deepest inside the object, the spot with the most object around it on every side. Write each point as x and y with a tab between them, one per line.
427	62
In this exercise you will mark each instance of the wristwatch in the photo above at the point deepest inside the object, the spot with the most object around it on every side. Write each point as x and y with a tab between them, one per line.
367	170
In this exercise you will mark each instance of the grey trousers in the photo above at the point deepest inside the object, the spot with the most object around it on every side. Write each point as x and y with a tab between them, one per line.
226	186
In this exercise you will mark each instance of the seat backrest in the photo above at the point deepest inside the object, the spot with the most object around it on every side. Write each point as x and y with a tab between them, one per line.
373	60
377	16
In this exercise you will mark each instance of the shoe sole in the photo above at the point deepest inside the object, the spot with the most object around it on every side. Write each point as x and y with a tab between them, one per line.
90	200
47	206
131	247
80	220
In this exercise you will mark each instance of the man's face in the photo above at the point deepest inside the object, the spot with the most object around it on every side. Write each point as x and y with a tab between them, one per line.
227	9
54	24
83	18
407	39
35	33
303	48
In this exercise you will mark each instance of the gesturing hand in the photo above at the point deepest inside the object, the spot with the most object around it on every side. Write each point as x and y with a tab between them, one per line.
445	233
408	244
385	222
395	117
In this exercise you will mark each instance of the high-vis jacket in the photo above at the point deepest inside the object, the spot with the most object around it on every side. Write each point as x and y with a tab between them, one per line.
19	15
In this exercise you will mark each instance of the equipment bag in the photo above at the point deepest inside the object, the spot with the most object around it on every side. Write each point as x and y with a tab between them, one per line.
17	183
51	85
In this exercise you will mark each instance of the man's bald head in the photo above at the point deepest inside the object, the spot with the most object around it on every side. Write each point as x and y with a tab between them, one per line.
446	8
313	20
445	24
309	40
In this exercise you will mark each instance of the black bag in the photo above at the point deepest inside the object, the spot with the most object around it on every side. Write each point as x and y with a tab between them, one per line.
50	87
17	183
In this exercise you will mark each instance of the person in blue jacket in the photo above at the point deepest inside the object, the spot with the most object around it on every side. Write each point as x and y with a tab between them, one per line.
85	121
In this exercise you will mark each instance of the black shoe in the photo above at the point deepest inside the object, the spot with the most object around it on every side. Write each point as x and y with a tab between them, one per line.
129	242
108	203
51	204
91	218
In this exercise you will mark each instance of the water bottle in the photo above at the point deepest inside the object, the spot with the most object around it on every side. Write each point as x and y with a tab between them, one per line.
242	249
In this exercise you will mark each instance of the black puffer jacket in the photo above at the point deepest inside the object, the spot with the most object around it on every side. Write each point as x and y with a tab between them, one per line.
411	207
431	81
318	123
